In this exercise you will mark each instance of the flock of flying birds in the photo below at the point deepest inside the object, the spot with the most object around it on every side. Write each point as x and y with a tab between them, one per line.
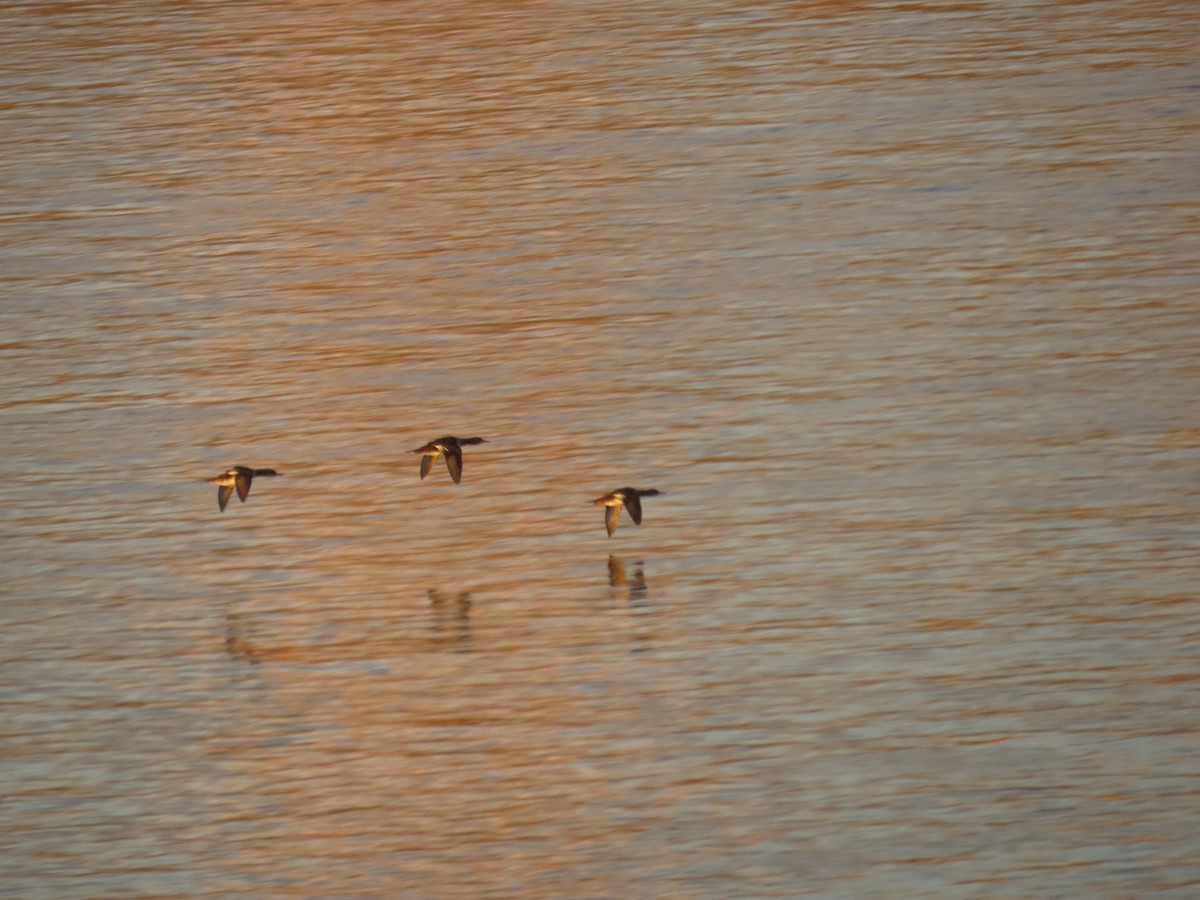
449	448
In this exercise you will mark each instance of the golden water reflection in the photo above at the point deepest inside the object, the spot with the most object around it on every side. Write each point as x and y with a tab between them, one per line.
896	299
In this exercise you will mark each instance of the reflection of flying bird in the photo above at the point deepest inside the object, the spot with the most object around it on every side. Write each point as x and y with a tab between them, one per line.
236	642
627	498
450	612
616	572
617	578
451	449
238	477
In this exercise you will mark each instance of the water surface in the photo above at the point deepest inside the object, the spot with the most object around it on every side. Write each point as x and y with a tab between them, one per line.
894	301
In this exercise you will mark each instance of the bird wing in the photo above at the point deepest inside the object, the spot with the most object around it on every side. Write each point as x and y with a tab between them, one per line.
612	515
243	486
426	462
223	492
634	505
454	463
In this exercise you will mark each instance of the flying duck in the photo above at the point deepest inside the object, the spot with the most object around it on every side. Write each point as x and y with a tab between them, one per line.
238	477
451	449
627	498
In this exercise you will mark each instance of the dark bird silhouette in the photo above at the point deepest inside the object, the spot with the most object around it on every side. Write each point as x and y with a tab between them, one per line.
623	498
238	477
451	449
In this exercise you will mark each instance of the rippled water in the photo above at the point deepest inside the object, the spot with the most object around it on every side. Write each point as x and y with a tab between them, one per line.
896	302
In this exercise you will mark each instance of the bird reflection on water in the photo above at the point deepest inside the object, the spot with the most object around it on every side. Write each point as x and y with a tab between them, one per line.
451	622
236	642
632	590
631	593
636	586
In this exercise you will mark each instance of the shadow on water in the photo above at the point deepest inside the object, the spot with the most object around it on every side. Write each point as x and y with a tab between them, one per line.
451	618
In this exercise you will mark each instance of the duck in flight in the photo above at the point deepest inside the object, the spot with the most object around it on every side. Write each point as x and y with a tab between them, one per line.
623	498
451	449
238	477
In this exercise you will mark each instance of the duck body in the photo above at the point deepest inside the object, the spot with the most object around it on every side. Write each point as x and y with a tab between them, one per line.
239	478
623	498
449	448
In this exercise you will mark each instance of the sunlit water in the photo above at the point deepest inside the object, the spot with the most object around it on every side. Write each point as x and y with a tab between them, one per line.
896	302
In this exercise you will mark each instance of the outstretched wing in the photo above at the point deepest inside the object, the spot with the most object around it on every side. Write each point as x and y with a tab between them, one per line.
454	463
223	492
426	463
243	487
612	515
634	505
